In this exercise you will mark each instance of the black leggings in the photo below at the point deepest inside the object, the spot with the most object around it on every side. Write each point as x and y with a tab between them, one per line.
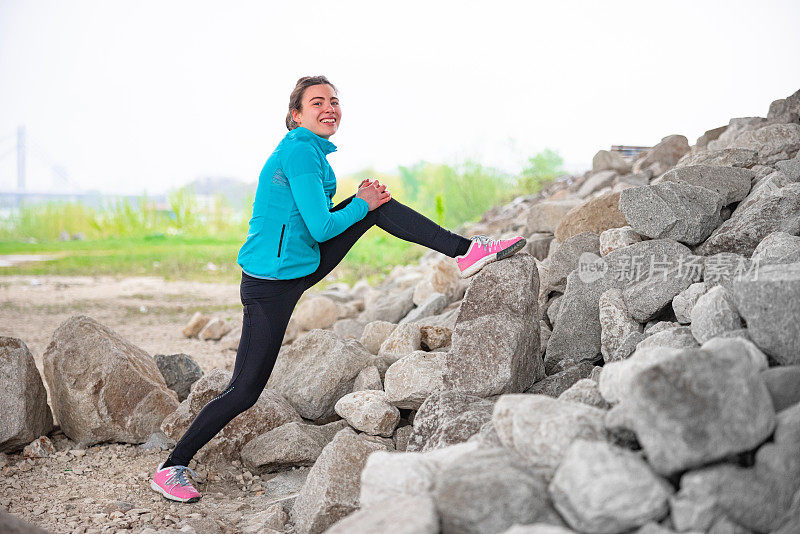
268	304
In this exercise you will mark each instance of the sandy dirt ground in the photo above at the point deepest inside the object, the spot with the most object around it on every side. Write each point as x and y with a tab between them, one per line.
105	488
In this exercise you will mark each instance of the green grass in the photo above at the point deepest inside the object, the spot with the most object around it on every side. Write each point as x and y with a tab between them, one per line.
135	239
187	258
174	258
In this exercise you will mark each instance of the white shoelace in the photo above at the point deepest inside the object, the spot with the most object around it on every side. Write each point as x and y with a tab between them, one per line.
484	241
179	476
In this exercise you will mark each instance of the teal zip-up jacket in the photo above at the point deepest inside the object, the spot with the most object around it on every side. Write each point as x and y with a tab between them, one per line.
291	211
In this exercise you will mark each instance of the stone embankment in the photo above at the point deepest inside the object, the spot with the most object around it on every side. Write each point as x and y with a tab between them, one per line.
635	369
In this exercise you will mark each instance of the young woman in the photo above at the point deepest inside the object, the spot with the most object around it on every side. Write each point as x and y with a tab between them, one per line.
296	237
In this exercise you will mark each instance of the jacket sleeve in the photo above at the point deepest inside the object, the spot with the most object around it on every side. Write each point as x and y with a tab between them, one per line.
303	168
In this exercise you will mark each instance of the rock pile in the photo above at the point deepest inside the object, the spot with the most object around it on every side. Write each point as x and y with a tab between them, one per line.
635	369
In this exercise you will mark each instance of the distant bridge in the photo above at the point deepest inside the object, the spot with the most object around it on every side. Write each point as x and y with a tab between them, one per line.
60	188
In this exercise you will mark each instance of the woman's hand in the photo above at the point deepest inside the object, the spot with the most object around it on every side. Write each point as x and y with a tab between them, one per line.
374	193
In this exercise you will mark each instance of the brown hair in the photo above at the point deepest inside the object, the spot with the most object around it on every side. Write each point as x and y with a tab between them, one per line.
296	98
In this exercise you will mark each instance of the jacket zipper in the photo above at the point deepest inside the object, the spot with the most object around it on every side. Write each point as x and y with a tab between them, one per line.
281	240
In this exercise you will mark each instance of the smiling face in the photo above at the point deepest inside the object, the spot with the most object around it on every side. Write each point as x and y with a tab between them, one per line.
320	111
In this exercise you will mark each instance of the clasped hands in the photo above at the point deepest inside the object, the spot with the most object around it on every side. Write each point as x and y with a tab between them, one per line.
374	193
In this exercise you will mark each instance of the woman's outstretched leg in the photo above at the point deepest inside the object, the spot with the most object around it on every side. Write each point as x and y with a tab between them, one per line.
396	219
405	223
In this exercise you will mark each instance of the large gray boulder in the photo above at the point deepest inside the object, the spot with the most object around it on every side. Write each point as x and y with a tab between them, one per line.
596	181
601	488
676	337
684	301
610	161
761	498
488	491
413	378
495	344
317	370
695	406
369	412
375	333
596	215
537	244
784	107
11	524
779	210
388	476
713	314
650	273
390	308
316	312
729	157
585	391
675	210
180	371
348	328
770	304
616	324
773	142
783	383
293	444
664	155
448	418
731	183
433	305
332	487
544	216
736	127
707	137
615	238
616	377
541	528
23	399
565	259
403	340
406	515
443	277
270	411
555	384
102	387
777	248
541	428
761	188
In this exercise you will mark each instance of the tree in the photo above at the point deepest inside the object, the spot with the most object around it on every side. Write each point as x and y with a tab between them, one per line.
542	168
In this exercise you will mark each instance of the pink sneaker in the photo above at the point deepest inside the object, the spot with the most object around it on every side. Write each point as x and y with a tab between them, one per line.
483	251
171	482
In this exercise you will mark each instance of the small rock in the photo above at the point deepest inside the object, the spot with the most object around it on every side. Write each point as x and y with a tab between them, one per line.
375	333
369	412
215	329
180	371
368	378
434	337
316	312
615	238
196	324
599	487
403	340
713	314
41	447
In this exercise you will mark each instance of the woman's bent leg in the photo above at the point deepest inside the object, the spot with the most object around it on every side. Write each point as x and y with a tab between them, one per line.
268	304
398	220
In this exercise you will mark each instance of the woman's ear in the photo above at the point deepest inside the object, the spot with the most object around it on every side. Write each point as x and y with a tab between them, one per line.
296	116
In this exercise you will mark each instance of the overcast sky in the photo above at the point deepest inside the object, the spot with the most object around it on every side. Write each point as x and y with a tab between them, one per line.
148	95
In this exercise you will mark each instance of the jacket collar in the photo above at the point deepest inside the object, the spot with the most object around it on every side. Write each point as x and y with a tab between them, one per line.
305	134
